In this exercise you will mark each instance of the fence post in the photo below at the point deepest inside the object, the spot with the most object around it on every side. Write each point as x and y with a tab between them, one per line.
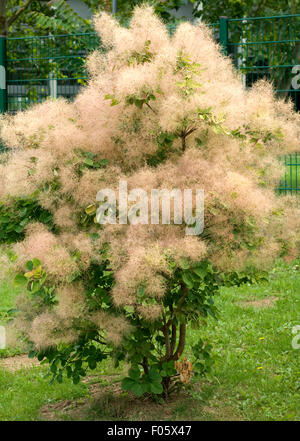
224	34
3	90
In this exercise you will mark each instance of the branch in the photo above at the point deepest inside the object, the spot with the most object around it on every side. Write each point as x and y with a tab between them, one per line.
173	333
182	300
167	342
259	6
183	135
190	131
151	108
173	339
181	343
182	329
145	365
20	11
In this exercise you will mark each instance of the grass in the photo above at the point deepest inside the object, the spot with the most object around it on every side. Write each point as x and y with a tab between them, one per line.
255	374
256	368
23	394
8	294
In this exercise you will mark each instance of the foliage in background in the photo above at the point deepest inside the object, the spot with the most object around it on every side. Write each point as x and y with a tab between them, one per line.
211	11
33	17
30	78
56	16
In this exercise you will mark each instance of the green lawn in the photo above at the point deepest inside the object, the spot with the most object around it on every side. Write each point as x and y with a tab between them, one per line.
255	374
257	371
22	394
7	302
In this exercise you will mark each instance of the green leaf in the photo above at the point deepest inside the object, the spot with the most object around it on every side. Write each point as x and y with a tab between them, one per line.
103	162
114	102
154	374
200	271
88	161
59	378
138	389
19	229
36	262
127	383
92	363
184	264
20	280
76	379
29	265
91	209
69	371
188	279
53	368
139	103
32	354
156	388
134	373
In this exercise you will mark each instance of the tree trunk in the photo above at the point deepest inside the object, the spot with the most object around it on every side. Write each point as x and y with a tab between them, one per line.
181	343
6	23
3	26
293	9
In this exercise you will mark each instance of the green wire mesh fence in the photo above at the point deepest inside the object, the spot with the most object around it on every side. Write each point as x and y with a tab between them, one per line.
291	182
50	66
260	47
268	47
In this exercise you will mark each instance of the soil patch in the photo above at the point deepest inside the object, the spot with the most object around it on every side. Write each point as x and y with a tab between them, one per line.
110	403
18	362
260	304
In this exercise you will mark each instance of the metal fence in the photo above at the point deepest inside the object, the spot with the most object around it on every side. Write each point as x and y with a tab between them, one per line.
267	47
260	47
53	66
291	182
48	66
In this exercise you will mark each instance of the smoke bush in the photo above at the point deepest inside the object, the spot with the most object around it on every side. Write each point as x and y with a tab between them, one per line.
163	113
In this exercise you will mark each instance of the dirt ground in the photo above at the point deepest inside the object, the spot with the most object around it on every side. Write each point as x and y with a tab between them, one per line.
18	362
112	403
268	302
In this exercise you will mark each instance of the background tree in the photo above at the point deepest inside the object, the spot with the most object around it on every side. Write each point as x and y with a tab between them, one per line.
210	11
35	17
39	17
65	72
21	17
